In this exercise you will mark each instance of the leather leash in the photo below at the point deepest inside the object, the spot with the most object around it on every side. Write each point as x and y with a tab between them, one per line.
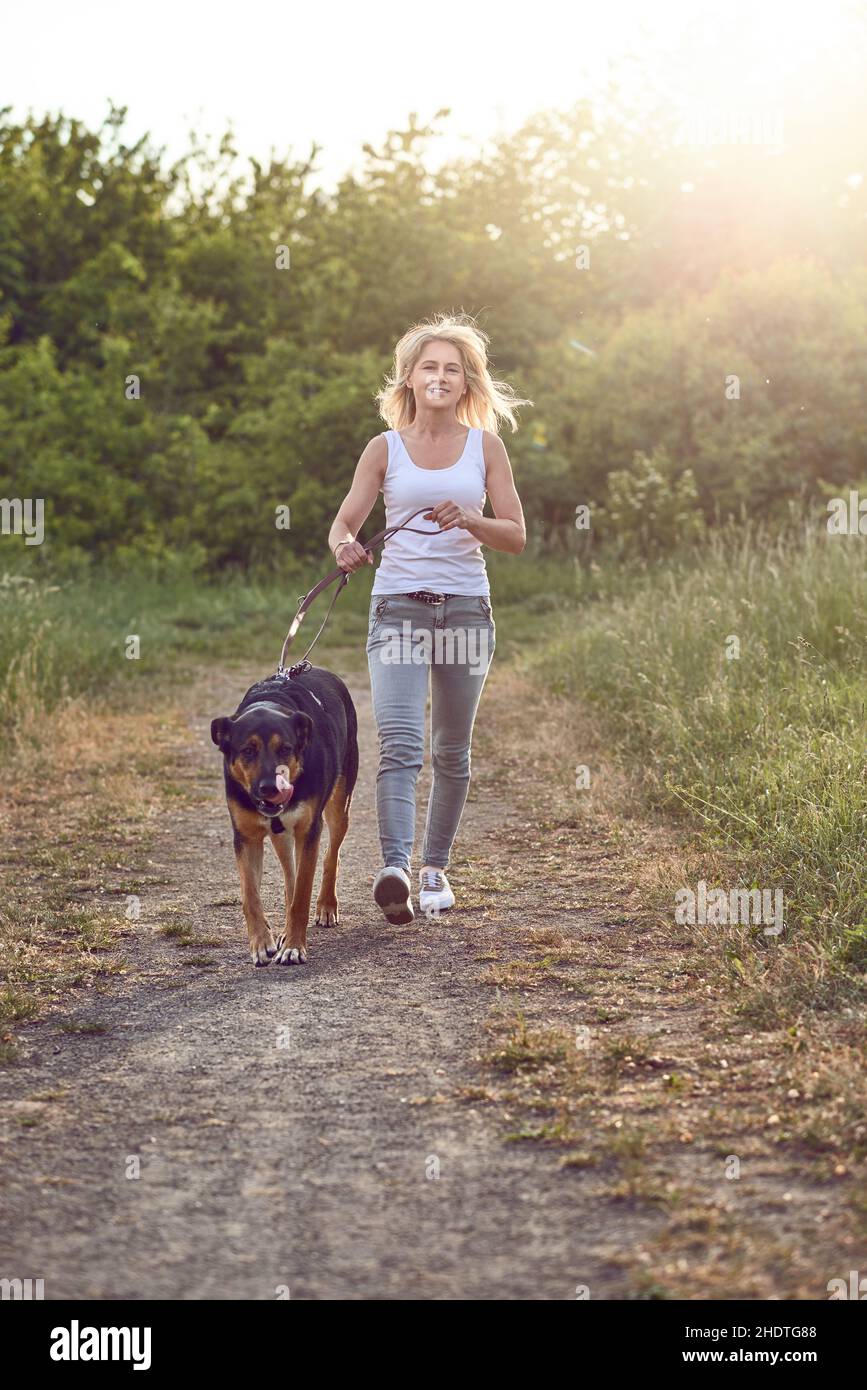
287	673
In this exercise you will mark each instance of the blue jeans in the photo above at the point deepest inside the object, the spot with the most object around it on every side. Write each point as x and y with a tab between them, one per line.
406	638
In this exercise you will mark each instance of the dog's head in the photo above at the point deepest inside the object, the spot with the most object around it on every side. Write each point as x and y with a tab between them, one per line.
263	748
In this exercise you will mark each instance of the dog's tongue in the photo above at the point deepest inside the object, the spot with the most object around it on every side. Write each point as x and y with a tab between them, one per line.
284	791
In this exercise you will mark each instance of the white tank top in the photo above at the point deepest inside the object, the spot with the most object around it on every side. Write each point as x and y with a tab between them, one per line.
449	562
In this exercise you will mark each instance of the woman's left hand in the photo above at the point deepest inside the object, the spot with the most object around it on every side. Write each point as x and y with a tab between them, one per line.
449	514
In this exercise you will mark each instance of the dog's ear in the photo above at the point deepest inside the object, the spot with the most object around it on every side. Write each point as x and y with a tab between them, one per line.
302	728
220	732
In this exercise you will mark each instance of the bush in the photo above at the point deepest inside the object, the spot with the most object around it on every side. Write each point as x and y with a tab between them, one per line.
651	507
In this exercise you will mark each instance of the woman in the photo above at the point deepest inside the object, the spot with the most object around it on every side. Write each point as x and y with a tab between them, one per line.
431	592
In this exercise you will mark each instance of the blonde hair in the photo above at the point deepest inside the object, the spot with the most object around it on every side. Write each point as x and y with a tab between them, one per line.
485	402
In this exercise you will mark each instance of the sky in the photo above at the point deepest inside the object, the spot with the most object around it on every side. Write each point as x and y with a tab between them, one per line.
343	74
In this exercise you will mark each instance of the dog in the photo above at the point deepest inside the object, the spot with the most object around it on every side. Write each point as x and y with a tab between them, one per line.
290	760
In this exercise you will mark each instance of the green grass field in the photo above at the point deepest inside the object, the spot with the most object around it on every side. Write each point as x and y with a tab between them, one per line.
733	682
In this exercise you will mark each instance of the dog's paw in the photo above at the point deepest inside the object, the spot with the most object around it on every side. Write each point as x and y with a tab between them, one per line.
261	954
326	915
290	955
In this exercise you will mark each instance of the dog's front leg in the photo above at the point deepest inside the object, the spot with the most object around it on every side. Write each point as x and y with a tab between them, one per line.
286	854
292	948
248	855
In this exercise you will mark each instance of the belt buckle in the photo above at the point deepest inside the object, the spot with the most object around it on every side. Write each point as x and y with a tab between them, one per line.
428	596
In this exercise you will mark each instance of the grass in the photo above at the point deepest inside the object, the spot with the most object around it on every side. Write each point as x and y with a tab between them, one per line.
732	682
527	1049
64	638
15	1005
183	934
64	895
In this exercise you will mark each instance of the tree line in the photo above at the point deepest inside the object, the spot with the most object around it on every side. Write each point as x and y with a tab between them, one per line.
190	350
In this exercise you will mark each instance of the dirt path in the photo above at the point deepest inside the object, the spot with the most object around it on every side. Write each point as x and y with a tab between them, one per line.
288	1124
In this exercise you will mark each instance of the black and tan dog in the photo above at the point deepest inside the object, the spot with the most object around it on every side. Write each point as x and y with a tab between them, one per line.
290	759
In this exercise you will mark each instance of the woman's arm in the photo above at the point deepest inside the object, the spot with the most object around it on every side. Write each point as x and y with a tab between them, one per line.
506	530
357	506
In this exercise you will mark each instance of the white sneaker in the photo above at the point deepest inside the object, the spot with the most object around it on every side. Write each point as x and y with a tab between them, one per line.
435	895
391	892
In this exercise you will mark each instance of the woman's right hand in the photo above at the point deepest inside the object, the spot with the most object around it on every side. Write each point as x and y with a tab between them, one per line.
351	555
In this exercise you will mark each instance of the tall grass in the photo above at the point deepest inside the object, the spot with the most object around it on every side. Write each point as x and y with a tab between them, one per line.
734	679
68	637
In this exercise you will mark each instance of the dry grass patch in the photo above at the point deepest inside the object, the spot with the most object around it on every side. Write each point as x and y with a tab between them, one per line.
68	884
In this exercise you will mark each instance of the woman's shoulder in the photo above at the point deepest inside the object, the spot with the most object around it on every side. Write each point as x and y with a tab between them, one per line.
492	445
375	456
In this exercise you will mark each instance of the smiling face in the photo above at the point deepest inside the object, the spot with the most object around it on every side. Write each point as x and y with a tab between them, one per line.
263	750
438	379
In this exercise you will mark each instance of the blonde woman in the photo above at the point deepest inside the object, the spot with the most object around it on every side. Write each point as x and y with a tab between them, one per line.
430	606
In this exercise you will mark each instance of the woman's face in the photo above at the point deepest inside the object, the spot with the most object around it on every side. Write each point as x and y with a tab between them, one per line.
438	377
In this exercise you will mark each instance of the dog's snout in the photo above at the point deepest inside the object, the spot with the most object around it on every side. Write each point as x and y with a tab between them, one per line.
269	791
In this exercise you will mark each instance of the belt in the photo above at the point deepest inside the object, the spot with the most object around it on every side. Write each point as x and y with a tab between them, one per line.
427	596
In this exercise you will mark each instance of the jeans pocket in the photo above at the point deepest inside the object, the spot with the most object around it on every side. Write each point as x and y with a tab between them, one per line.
486	609
378	610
